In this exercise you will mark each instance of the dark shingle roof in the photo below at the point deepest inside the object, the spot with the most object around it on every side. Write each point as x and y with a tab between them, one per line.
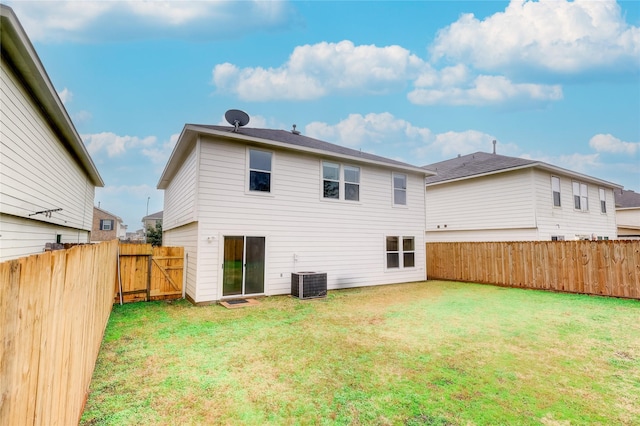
477	163
154	216
299	140
626	199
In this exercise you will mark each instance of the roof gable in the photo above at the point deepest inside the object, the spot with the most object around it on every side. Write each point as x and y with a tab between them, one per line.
482	164
478	163
104	213
627	199
274	139
154	216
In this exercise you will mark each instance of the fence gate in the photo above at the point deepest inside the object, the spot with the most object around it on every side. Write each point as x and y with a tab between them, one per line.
149	273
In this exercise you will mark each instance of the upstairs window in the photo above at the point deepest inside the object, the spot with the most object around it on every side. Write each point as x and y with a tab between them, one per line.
603	201
340	182
401	252
351	183
259	170
555	189
331	180
580	196
399	189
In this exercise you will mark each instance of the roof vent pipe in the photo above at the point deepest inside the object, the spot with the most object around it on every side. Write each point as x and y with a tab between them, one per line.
494	146
294	131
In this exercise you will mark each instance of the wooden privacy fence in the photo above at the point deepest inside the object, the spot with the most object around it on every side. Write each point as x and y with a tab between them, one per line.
610	268
149	273
54	309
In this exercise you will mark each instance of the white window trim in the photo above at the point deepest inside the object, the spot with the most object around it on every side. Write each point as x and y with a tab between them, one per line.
584	206
602	195
400	252
553	202
248	170
341	183
393	190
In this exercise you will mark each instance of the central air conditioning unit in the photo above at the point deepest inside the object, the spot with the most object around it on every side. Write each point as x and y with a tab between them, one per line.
309	285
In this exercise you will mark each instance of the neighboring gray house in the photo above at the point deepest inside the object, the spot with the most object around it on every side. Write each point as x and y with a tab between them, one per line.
152	220
491	197
47	177
269	203
628	214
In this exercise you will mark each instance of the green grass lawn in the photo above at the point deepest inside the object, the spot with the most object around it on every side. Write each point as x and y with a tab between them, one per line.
430	353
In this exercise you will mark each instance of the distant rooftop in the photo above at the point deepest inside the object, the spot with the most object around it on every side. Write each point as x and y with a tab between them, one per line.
473	164
154	216
626	199
484	163
108	213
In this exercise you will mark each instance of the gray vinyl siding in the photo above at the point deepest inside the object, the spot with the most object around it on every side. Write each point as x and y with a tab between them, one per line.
23	237
179	197
344	239
514	206
513	234
37	173
186	236
565	220
481	208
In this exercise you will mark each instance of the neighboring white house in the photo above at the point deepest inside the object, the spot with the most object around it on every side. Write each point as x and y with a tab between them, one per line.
47	178
268	203
628	214
490	197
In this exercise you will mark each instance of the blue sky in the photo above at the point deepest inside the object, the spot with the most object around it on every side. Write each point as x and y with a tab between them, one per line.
418	81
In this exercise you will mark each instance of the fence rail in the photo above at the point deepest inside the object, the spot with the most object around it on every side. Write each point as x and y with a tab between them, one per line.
610	268
54	309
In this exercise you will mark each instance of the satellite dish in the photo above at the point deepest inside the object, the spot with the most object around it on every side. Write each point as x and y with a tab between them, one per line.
236	118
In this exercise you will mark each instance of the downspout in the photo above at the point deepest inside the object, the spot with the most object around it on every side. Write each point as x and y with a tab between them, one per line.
426	274
535	202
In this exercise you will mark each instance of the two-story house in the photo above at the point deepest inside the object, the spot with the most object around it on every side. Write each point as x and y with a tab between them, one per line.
491	197
252	206
152	220
107	226
47	177
628	214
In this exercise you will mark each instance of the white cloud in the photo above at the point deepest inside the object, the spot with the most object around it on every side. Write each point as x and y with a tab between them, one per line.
449	144
451	86
119	190
358	130
611	144
81	116
87	21
581	163
65	95
557	36
384	134
160	155
313	71
113	144
130	202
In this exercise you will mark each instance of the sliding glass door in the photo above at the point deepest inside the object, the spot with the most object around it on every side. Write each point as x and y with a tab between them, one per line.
243	266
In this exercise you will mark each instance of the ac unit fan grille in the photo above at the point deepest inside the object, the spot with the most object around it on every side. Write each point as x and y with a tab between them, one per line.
309	285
